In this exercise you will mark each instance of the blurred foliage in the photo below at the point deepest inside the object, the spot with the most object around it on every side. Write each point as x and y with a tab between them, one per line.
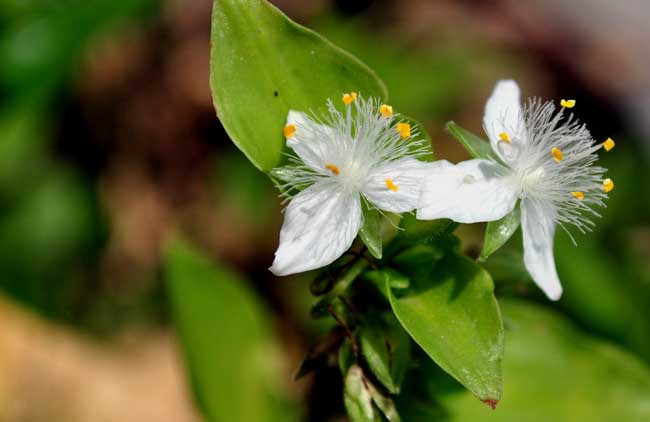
227	340
42	41
426	78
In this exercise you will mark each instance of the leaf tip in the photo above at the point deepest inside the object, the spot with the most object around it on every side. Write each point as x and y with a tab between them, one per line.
491	402
450	125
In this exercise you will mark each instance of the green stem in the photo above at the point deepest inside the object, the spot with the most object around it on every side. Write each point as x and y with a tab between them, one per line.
341	285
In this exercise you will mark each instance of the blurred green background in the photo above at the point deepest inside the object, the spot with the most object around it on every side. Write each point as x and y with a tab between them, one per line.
110	149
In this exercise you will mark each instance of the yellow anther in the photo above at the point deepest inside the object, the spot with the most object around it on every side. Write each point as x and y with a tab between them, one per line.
609	144
404	129
505	137
289	131
392	186
386	110
349	98
567	103
578	195
608	185
333	168
557	154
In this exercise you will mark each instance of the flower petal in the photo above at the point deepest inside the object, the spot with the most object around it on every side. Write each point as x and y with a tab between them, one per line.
395	186
470	192
320	224
310	141
503	115
538	227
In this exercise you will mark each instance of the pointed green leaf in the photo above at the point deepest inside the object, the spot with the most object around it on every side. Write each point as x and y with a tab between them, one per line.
387	350
451	312
555	372
363	401
357	398
371	232
226	340
498	232
263	64
476	146
384	403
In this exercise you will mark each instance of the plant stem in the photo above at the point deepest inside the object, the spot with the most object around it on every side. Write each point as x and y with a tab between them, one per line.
341	285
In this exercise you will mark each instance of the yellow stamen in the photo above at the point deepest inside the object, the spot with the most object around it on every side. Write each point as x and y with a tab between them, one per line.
609	144
386	110
289	131
567	103
608	185
349	98
578	195
557	154
392	186
505	137
333	168
404	129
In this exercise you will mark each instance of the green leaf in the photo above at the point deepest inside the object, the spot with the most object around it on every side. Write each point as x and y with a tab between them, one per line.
418	255
498	232
371	232
262	64
555	372
356	396
387	276
387	350
416	231
346	357
425	231
226	340
384	403
363	400
451	312
476	146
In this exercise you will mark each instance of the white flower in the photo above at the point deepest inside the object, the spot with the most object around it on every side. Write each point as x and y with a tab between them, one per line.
362	155
543	158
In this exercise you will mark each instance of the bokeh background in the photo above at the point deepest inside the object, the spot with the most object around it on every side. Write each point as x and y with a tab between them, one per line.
110	146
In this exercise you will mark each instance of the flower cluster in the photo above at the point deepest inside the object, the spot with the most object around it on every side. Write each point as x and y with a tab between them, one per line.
543	161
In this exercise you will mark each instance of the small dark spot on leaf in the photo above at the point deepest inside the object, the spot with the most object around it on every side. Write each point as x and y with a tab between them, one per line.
276	93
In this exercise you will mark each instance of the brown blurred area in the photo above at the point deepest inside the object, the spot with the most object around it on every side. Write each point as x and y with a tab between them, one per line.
139	119
52	373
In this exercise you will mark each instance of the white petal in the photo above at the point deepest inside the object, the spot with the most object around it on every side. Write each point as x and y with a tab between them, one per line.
503	115
470	192
405	175
320	224
310	140
538	227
